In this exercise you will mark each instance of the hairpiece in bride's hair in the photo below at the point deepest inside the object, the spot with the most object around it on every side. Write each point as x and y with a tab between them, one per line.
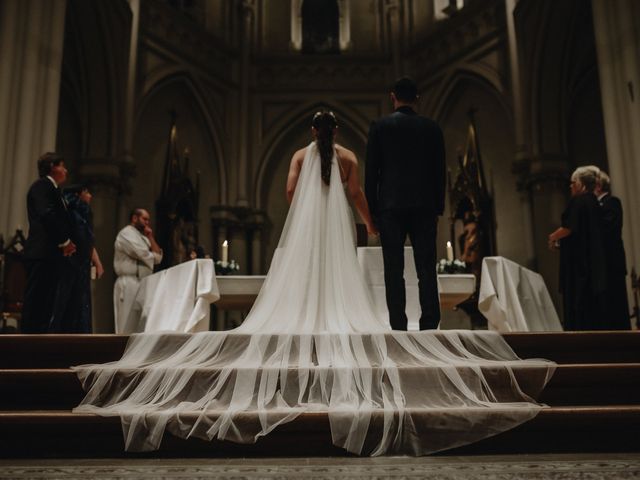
325	123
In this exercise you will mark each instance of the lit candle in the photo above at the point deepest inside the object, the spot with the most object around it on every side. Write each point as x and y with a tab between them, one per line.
449	252
225	251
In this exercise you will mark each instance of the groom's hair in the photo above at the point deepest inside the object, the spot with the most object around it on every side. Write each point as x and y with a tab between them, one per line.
405	90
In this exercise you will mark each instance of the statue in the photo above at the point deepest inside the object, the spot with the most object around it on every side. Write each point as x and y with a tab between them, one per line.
177	205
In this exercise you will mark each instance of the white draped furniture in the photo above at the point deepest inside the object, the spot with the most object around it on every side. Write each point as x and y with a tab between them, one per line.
177	299
515	299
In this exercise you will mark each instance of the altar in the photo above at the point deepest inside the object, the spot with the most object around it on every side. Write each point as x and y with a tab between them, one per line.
238	292
179	298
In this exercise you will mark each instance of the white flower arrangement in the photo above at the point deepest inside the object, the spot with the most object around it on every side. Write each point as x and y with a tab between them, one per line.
226	268
451	266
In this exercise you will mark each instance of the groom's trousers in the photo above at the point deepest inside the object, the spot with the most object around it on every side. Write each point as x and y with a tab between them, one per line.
421	227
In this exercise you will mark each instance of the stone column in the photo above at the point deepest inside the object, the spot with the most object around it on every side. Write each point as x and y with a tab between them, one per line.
547	187
617	32
104	179
393	19
345	24
31	45
248	12
130	96
522	153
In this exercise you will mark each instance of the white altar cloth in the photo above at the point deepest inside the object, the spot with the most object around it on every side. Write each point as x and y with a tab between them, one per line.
177	299
453	289
515	299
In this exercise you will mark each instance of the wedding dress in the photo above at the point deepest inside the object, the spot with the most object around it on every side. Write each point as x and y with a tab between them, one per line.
312	343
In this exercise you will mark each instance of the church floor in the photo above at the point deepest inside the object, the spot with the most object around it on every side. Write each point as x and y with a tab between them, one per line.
485	467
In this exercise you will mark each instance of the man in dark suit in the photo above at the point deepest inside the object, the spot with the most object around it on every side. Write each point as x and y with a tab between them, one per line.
48	244
405	187
617	303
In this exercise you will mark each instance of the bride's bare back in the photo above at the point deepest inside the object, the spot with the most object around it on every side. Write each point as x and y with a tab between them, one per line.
348	167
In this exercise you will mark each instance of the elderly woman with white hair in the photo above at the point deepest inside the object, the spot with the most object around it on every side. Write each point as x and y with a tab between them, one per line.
583	277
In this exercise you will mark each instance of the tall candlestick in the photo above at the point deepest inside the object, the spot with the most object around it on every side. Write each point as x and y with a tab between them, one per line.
225	251
449	252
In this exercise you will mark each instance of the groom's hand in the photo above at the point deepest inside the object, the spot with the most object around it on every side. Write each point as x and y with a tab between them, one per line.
372	230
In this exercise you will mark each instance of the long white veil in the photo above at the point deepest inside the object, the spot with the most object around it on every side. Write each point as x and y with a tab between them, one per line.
312	343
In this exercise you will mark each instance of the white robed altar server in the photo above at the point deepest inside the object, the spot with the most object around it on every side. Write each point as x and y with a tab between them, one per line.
312	344
136	253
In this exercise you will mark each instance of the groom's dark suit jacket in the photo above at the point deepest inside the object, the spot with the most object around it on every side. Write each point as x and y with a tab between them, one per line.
405	164
49	222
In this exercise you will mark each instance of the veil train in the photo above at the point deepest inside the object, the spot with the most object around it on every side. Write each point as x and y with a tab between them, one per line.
312	343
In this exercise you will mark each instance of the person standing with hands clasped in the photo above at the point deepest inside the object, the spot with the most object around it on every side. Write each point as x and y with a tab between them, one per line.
136	253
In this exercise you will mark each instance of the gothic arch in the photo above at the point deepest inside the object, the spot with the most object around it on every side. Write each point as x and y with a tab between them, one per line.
176	75
452	83
555	60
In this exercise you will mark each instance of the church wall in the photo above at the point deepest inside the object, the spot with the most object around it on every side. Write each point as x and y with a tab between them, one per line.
421	19
274	27
367	26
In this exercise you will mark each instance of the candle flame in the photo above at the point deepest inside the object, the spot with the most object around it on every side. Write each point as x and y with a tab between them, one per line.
225	243
448	243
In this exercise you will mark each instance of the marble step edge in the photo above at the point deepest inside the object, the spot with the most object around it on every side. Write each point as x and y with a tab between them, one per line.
625	372
628	415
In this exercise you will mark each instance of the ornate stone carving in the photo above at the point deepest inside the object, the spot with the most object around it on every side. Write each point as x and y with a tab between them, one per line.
331	74
187	39
472	27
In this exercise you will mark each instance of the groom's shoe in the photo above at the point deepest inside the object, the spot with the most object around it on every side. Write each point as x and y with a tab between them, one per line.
399	323
429	323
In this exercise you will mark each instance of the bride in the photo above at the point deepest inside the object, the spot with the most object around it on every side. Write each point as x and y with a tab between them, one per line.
313	344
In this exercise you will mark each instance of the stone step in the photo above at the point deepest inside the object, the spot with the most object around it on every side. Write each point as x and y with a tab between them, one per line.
578	347
63	351
585	384
555	430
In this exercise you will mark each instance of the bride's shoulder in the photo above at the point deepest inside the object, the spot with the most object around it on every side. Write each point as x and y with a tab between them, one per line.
346	155
298	156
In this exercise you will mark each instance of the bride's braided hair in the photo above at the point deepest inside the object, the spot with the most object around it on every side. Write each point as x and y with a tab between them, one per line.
325	123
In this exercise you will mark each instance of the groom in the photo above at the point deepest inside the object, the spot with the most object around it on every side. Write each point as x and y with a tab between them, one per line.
404	185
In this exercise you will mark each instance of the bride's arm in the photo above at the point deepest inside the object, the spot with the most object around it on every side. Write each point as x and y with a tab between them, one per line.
294	173
355	190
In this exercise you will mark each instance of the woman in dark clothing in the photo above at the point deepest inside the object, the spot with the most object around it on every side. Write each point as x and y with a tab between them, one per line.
583	277
76	285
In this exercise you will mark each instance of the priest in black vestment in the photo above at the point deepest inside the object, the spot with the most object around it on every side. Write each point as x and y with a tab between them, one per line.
583	273
616	299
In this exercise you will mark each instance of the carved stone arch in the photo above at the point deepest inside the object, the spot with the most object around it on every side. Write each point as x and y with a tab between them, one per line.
456	80
347	119
175	74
